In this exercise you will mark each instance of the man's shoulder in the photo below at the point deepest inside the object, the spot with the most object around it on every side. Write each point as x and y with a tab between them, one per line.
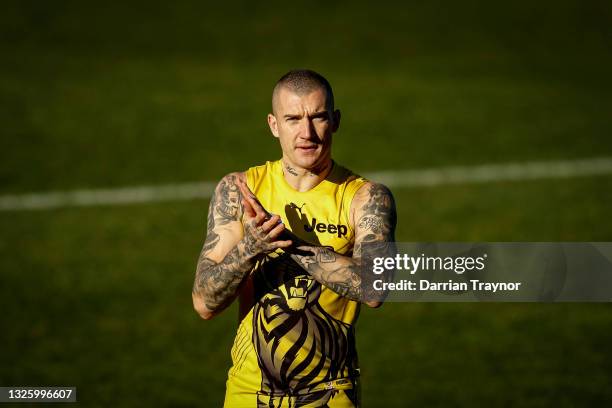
371	194
249	175
232	178
242	174
372	188
349	180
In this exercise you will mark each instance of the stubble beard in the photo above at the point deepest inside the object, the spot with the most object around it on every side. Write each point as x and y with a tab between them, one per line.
320	165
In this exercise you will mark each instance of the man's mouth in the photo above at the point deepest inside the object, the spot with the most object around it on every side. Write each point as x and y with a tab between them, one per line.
307	148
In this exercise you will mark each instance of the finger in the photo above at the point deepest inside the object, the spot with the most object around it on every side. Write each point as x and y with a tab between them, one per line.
259	219
271	223
259	209
248	208
244	187
256	220
276	231
255	205
281	244
246	192
304	248
248	195
256	208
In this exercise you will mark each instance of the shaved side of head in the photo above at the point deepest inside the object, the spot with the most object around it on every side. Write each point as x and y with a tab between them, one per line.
303	82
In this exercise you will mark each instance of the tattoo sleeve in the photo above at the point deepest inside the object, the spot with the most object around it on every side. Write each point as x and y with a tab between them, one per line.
375	236
217	282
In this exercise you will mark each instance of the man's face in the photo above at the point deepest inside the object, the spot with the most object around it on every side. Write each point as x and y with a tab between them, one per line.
304	127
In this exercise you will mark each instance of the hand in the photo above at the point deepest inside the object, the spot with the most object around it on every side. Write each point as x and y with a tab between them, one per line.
262	230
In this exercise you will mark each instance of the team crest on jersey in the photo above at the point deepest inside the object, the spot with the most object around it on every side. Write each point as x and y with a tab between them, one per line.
299	345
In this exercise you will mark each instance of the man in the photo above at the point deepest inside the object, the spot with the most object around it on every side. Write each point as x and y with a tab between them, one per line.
288	239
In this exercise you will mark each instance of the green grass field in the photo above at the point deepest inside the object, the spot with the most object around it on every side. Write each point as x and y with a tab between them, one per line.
109	95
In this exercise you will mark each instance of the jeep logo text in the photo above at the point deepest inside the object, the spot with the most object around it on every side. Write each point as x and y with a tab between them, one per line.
339	229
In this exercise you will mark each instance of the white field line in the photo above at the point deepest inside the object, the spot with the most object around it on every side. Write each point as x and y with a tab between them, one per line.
393	179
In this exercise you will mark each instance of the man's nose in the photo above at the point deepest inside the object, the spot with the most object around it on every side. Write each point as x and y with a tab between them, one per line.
308	130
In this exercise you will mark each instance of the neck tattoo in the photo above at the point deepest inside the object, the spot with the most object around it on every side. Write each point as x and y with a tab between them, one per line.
291	170
310	173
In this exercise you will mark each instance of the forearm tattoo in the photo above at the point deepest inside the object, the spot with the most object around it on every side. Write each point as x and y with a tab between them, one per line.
337	272
215	282
343	274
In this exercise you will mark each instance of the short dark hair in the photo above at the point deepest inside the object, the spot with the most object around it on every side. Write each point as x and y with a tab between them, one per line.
304	81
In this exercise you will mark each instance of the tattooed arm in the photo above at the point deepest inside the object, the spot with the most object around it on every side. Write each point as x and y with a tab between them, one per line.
373	218
236	236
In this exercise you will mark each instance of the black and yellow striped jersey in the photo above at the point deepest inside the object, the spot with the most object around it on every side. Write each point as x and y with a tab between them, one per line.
295	345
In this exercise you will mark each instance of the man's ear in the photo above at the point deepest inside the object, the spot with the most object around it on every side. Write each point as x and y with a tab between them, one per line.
273	124
336	117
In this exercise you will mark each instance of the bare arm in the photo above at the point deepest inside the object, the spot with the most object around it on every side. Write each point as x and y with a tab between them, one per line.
374	219
235	239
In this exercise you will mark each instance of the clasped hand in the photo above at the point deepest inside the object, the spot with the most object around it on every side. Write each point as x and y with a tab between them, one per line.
264	232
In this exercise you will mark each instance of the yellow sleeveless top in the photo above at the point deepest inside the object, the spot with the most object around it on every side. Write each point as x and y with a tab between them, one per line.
298	335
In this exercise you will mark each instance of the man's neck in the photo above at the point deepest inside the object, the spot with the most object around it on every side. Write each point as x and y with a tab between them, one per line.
305	179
